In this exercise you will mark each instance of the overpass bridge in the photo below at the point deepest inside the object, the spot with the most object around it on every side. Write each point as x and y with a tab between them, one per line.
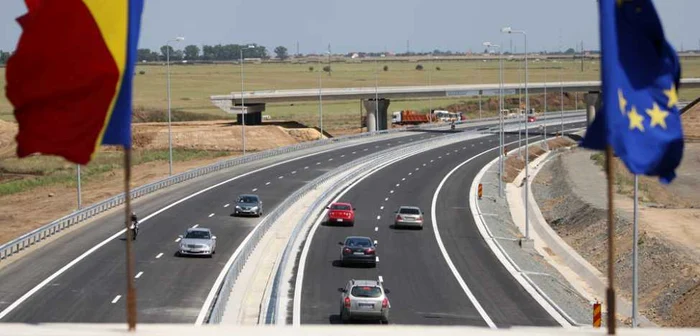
255	100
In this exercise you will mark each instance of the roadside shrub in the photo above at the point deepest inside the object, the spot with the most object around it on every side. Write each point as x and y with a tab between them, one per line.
142	72
386	68
437	68
327	68
311	69
419	67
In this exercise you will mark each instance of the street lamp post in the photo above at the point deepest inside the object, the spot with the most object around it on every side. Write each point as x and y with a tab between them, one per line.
509	30
243	108
500	115
170	129
376	95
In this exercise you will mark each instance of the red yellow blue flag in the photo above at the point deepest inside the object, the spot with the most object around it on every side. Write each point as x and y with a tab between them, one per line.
70	79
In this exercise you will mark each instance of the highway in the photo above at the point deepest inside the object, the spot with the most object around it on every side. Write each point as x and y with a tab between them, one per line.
38	286
424	287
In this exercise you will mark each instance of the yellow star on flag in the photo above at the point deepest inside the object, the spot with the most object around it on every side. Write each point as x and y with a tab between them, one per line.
636	120
658	116
623	101
672	95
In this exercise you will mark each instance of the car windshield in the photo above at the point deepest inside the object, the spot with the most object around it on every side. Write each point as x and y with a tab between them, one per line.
410	211
248	199
366	291
340	207
198	235
358	242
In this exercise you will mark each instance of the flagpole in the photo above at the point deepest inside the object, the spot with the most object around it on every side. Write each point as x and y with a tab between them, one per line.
635	274
611	241
80	196
130	290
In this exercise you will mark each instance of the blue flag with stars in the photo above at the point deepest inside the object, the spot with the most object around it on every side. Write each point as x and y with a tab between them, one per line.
639	115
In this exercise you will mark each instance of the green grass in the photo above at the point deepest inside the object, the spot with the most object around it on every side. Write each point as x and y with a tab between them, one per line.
192	85
50	170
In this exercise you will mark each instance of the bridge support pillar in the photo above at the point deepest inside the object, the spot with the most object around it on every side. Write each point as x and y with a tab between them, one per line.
372	106
251	112
592	99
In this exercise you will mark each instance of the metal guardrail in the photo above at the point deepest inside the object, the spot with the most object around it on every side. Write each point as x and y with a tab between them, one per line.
29	239
218	305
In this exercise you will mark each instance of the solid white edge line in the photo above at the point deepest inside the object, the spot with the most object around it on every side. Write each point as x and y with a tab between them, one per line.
116	298
443	250
474	207
138	275
72	263
219	279
298	285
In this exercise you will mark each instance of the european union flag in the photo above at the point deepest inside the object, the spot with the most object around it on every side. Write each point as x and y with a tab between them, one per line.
639	116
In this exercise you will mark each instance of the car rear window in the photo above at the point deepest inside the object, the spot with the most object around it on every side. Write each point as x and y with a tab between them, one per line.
409	211
340	207
198	235
366	291
247	200
358	242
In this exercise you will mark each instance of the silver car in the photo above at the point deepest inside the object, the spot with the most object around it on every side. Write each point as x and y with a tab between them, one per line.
409	216
197	241
364	299
248	205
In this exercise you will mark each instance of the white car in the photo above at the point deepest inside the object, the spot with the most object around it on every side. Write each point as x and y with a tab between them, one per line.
197	241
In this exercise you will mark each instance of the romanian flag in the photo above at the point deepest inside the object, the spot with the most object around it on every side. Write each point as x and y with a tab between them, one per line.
70	79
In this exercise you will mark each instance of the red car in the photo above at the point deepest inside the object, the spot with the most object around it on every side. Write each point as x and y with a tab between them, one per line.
531	119
341	213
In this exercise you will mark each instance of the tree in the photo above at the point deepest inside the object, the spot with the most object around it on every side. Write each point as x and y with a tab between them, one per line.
570	51
419	67
164	51
4	56
281	53
192	52
143	55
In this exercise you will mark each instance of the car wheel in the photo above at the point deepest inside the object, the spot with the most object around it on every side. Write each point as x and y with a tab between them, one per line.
344	316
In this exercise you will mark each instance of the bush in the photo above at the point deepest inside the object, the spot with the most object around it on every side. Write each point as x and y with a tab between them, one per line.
142	72
327	68
386	68
419	67
311	69
437	68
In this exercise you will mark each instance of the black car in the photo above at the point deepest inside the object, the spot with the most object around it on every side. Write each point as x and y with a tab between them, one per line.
358	250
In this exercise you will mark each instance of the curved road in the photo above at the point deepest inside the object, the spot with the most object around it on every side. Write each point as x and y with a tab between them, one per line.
170	289
424	288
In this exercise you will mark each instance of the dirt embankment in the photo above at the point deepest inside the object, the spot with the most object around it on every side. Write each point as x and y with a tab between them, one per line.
571	193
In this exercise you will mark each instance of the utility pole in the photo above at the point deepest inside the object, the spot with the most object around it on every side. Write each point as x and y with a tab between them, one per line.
297	49
408	47
582	56
329	60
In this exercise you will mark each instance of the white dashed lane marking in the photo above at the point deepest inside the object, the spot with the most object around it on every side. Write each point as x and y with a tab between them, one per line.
159	255
379	217
381	207
318	163
138	275
178	239
307	167
255	189
227	205
116	298
386	199
196	225
294	171
376	228
267	183
398	184
403	179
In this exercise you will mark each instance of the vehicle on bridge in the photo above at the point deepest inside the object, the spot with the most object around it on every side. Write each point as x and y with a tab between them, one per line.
364	299
342	213
197	241
358	250
531	118
248	205
408	117
409	216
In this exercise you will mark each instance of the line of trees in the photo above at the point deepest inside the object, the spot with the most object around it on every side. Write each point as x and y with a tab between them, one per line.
219	52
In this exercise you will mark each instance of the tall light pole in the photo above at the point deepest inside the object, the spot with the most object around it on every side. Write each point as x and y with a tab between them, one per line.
320	95
430	83
500	114
544	112
243	108
509	30
170	129
376	95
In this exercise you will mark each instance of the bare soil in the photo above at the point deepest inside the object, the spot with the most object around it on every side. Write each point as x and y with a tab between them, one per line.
691	123
516	163
571	192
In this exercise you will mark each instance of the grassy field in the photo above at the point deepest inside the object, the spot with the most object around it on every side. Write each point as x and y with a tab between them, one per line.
17	175
193	84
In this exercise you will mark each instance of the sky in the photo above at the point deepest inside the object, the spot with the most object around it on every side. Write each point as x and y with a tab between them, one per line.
380	25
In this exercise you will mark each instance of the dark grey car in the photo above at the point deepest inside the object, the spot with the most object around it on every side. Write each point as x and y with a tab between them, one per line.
248	205
358	250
